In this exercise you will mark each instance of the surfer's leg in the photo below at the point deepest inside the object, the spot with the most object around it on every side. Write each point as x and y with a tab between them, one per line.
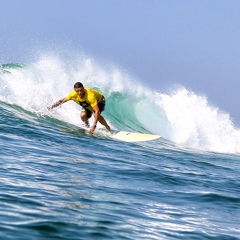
104	123
85	115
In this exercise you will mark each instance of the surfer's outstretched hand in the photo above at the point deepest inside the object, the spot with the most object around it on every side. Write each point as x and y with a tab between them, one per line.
90	133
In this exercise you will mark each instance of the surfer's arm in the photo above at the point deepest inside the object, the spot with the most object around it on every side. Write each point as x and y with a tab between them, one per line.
58	103
96	118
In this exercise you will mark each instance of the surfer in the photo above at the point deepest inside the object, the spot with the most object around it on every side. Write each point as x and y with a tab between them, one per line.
91	100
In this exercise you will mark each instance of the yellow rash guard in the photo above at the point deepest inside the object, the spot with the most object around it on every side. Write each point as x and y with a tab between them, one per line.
91	98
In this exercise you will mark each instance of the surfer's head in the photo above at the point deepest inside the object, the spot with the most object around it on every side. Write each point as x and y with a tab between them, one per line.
79	89
78	85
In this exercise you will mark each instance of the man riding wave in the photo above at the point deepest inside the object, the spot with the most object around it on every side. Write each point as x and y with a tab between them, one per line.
91	100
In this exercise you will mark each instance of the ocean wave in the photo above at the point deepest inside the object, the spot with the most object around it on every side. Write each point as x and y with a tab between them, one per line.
180	116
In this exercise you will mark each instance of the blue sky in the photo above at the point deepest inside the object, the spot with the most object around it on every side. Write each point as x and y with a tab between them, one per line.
193	43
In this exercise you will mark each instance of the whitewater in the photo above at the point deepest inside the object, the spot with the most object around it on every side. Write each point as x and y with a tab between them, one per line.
60	183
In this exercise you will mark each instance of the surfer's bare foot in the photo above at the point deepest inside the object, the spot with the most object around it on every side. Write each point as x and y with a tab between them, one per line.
87	124
109	129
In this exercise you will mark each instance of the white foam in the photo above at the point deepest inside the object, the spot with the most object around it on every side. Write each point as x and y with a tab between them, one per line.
192	121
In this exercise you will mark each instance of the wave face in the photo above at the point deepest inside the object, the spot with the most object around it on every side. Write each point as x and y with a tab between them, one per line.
181	116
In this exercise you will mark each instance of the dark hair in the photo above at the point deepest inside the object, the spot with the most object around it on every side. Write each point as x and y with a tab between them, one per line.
78	85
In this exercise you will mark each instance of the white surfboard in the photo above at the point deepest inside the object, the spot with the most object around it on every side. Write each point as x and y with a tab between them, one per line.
134	137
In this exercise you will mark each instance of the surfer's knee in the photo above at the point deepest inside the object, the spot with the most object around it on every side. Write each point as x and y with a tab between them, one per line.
83	116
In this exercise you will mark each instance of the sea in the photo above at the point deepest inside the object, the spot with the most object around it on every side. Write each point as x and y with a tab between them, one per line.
58	182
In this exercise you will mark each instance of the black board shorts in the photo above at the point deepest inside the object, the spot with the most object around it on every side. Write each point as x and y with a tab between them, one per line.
101	106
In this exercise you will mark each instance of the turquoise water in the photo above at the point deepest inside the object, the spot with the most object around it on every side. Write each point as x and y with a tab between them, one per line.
57	182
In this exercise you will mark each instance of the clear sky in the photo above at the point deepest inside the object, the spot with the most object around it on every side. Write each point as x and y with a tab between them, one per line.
193	43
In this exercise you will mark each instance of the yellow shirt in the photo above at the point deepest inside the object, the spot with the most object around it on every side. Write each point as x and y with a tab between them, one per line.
91	98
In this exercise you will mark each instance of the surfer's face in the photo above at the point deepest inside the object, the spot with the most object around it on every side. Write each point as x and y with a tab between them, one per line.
80	91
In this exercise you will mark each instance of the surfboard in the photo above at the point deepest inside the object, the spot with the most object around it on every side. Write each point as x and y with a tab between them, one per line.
133	136
124	136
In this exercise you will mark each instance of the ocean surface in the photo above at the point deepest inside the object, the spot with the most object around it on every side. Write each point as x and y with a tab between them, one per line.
57	182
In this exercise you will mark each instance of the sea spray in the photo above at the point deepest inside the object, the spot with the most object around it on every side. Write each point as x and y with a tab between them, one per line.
194	122
181	116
